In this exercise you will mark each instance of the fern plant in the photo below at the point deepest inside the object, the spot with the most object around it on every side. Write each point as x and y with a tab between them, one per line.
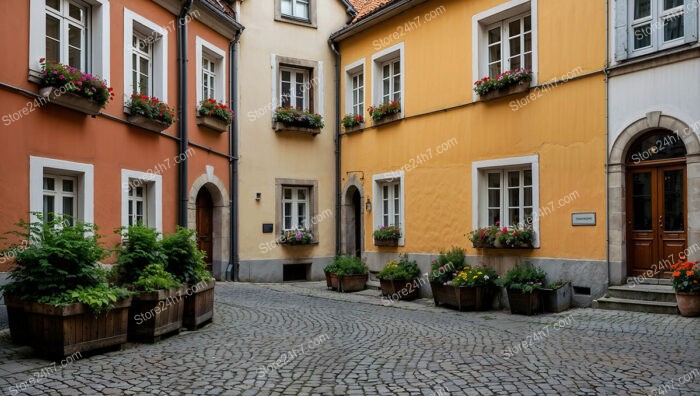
184	259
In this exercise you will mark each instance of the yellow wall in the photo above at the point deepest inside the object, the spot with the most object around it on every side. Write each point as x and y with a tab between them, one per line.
438	75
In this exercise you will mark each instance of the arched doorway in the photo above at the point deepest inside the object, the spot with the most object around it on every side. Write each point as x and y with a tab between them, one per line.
205	225
655	203
351	222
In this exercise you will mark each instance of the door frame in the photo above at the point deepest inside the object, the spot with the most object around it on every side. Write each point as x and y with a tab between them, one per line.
210	220
347	221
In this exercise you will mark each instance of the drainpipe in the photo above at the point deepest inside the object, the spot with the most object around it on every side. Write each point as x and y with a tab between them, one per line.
182	112
234	258
607	139
337	146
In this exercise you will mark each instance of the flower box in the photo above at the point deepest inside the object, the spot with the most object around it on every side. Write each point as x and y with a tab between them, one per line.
17	318
155	314
525	303
213	123
464	298
386	242
70	100
355	128
58	331
507	91
557	300
388	119
199	306
403	288
147	123
335	283
352	283
282	127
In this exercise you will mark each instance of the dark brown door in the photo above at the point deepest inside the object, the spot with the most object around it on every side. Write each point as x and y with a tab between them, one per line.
656	213
205	220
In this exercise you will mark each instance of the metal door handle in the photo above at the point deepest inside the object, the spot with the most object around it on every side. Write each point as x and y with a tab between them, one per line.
661	222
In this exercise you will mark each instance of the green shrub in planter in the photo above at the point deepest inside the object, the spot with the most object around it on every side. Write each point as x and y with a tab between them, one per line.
352	273
140	247
183	258
153	278
526	278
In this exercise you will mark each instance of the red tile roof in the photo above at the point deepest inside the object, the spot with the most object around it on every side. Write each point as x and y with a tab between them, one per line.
367	7
224	6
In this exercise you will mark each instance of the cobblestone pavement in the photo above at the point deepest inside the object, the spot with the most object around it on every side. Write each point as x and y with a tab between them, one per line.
405	349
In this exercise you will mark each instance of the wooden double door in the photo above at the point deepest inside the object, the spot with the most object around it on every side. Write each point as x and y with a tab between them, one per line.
656	217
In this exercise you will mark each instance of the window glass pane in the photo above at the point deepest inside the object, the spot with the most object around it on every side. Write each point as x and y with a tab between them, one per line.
55	4
75	12
642	8
53	27
514	216
49	183
528	177
527	196
386	71
301	211
674	213
513	197
494	179
131	212
287	7
515	63
514	28
494	35
387	89
494	198
287	193
673	28
513	179
528	23
75	57
139	191
68	207
68	185
668	4
301	194
53	36
494	216
494	53
287	215
301	10
48	208
641	201
528	42
642	36
139	208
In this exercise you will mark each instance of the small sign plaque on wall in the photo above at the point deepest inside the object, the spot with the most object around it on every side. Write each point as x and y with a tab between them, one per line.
267	228
583	219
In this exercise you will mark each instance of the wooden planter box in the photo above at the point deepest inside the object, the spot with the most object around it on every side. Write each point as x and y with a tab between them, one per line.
503	92
386	242
55	332
17	318
147	123
155	314
352	283
557	300
331	280
335	282
70	100
525	303
388	119
199	306
479	298
213	123
403	288
282	127
355	128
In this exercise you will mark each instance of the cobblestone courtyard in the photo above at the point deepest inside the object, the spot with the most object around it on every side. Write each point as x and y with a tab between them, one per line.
405	349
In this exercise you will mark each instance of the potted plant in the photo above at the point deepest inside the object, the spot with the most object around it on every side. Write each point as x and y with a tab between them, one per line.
69	87
150	113
353	122
484	237
686	283
297	236
387	236
443	270
331	271
507	83
515	237
385	112
157	308
186	262
474	288
352	273
214	115
58	295
523	284
295	120
557	296
400	277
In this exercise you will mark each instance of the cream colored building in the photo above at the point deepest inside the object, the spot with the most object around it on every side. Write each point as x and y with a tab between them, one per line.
286	177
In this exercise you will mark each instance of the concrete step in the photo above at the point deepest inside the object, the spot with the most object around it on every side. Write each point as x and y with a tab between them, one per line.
631	280
643	292
375	285
624	304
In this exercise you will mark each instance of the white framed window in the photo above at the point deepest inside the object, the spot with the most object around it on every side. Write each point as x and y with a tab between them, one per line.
211	71
391	80
295	207
388	75
358	93
297	83
355	88
294	88
506	192
73	32
60	197
141	199
388	196
145	57
58	186
296	8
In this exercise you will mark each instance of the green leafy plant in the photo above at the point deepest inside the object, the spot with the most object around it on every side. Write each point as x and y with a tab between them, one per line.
526	278
516	236
400	269
384	110
153	278
474	276
445	267
210	107
387	233
183	259
301	118
139	248
58	75
506	79
98	298
331	268
685	276
151	108
297	236
349	265
557	284
484	236
352	120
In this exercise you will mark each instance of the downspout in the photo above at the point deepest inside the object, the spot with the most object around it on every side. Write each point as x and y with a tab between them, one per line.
607	138
337	146
182	113
234	259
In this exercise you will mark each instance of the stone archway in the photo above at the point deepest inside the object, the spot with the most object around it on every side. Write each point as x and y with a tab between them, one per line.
617	220
221	234
351	218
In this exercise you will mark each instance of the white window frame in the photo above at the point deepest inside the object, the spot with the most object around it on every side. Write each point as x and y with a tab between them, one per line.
65	22
153	189
378	181
158	37
142	53
294	4
293	71
294	201
352	70
208	50
380	58
504	27
58	194
314	67
658	15
97	58
84	189
483	21
480	170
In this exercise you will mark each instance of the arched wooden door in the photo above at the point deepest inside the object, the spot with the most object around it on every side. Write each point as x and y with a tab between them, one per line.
205	224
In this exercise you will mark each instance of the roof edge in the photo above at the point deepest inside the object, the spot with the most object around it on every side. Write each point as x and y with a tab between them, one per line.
379	15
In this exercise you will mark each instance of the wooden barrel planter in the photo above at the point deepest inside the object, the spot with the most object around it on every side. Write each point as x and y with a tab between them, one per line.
58	331
199	305
17	318
155	314
525	303
352	283
478	298
402	288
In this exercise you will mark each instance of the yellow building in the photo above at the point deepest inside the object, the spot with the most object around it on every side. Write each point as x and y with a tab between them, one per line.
452	160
